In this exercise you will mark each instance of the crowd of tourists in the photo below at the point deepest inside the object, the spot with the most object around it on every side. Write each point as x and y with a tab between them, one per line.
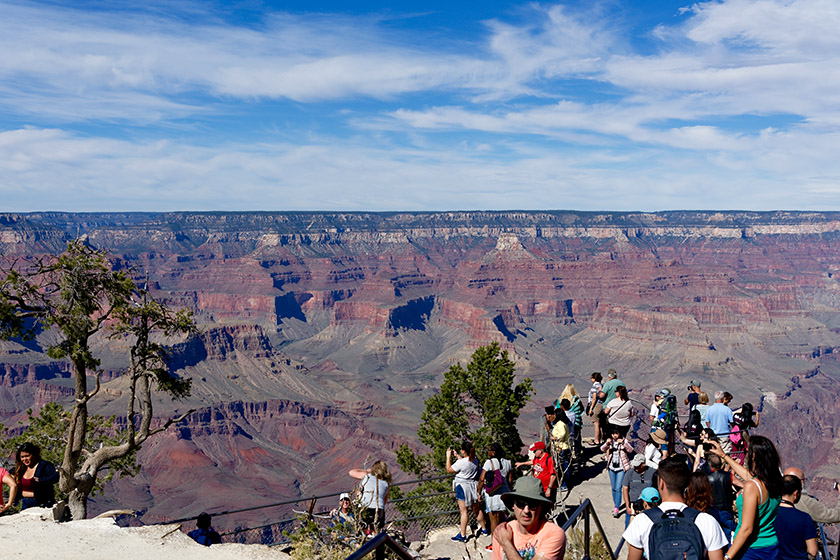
700	486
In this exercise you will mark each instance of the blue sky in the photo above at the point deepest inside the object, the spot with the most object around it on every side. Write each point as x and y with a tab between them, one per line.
618	105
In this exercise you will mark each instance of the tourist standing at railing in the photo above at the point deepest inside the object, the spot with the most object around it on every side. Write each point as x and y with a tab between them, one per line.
375	486
755	537
576	407
653	450
703	406
465	484
619	411
595	407
561	443
720	419
542	468
795	529
547	424
610	387
818	511
618	463
693	398
655	418
530	536
493	490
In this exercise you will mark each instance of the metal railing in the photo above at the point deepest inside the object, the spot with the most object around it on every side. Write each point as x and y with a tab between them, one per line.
824	544
377	547
581	543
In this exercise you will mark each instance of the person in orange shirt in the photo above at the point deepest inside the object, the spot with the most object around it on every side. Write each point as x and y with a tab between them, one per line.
530	536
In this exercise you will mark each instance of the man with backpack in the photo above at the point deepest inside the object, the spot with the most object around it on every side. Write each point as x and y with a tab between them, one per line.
674	531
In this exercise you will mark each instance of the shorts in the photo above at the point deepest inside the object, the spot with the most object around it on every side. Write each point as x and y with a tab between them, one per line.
371	520
494	503
596	412
466	492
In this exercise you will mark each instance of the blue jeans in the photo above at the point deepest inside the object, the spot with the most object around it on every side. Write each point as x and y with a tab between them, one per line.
727	523
762	553
616	478
27	503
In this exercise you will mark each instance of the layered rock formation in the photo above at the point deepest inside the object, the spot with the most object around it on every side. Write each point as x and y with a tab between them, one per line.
322	333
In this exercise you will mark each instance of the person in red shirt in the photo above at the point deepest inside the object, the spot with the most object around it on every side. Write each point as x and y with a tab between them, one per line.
542	467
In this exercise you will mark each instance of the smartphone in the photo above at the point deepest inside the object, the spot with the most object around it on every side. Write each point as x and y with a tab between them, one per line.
836	485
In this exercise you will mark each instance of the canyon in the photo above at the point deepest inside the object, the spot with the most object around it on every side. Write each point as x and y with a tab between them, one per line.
322	333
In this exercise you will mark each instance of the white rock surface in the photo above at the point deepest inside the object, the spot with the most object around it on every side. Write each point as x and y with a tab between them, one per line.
33	534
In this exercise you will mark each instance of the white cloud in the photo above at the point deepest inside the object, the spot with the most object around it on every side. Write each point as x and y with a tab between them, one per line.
53	169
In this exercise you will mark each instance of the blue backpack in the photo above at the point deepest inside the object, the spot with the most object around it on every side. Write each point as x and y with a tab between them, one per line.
674	535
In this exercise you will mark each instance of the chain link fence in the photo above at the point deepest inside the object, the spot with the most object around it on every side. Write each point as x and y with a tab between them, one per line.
415	507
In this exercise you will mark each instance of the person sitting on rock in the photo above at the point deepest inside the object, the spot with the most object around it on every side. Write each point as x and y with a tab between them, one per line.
530	536
9	480
342	514
204	533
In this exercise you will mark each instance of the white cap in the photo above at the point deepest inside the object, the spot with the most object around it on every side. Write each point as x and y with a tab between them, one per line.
344	496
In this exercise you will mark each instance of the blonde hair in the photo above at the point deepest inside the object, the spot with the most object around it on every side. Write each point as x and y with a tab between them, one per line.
703	398
380	471
569	393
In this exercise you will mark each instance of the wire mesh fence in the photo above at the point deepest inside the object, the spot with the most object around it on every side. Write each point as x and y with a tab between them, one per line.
415	508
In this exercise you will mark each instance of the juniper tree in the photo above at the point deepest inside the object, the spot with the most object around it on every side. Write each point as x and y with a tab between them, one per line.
80	295
479	403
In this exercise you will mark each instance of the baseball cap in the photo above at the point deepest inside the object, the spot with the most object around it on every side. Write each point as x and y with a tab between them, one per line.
537	445
651	495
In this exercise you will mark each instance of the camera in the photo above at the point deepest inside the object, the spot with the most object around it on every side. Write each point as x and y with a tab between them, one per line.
707	446
836	485
639	505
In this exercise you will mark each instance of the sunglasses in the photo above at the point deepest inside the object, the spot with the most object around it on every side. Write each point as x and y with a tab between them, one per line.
520	504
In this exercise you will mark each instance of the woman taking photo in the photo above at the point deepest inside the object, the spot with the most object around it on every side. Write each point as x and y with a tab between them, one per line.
35	477
465	484
755	537
618	463
375	485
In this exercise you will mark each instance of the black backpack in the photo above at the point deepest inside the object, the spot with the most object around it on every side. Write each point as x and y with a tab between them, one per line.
674	536
693	426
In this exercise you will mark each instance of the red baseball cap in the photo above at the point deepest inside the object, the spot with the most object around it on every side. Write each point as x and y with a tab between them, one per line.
538	445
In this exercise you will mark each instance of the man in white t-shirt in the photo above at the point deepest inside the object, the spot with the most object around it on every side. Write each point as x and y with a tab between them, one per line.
674	476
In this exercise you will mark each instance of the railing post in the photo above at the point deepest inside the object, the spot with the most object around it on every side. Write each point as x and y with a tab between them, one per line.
311	506
586	533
